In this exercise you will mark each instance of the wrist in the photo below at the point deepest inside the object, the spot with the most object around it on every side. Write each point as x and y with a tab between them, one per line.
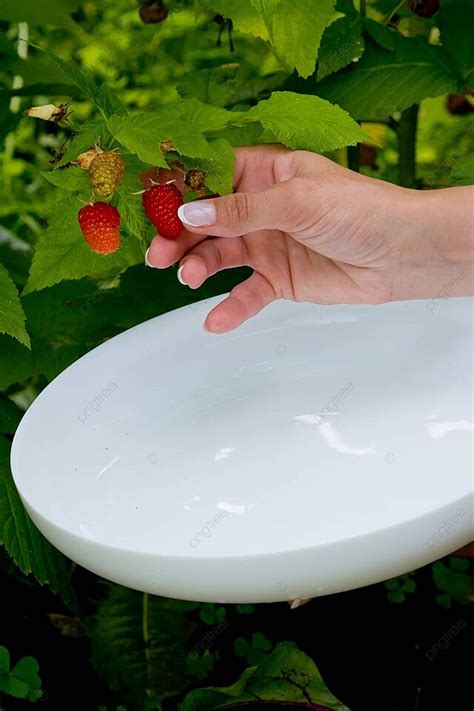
435	255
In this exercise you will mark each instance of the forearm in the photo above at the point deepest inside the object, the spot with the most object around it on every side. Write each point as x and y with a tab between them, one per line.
436	244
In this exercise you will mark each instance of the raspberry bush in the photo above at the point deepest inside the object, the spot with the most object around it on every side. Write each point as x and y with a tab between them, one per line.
132	107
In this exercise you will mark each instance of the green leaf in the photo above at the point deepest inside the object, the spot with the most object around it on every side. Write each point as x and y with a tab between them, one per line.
396	596
12	316
4	660
244	16
10	415
91	132
17	688
459	563
220	168
247	135
26	670
295	28
382	35
201	666
24	543
211	86
106	100
255	652
72	179
133	219
62	253
244	609
307	122
455	20
37	13
285	675
16	363
183	123
409	585
342	44
119	653
382	83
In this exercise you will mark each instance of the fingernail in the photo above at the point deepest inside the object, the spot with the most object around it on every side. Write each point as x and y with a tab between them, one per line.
197	214
179	275
147	262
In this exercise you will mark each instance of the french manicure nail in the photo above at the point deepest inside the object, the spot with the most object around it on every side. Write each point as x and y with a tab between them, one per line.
197	214
179	275
147	262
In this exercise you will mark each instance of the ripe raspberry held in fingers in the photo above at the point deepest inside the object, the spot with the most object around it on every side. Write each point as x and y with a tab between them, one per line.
100	225
161	203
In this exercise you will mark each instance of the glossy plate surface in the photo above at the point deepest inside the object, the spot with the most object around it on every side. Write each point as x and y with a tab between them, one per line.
314	450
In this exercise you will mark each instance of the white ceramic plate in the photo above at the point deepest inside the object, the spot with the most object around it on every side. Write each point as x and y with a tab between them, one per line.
314	450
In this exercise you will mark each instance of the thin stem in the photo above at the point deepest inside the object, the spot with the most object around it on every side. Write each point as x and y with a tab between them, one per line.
407	127
418	699
145	625
394	12
362	7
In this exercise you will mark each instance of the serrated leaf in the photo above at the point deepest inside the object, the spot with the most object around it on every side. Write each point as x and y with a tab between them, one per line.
107	101
24	543
129	204
382	35
220	168
246	135
382	82
12	316
118	650
183	123
455	20
341	44
200	117
72	179
295	28
307	122
285	675
91	132
62	253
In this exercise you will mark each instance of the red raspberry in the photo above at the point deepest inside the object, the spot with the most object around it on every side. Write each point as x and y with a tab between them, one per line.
161	203
100	225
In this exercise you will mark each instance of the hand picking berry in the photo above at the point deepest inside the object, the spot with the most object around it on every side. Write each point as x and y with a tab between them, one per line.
105	171
100	225
161	203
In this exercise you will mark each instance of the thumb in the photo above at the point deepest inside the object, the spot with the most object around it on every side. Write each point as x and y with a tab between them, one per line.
280	207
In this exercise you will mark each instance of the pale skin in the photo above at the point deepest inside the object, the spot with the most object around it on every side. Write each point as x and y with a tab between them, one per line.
315	231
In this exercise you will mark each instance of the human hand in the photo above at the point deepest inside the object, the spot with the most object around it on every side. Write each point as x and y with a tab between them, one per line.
312	231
